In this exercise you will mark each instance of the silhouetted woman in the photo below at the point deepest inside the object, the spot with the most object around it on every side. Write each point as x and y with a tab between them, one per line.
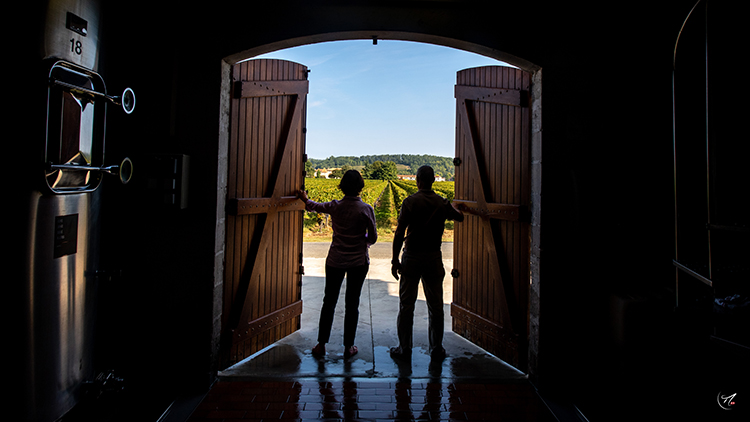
354	230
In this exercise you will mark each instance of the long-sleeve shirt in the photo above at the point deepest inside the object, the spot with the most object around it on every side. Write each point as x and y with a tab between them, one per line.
354	230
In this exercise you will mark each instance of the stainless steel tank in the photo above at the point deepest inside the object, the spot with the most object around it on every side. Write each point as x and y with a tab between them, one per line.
61	302
63	206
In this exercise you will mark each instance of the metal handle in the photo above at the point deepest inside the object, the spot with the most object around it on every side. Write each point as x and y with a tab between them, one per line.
124	170
75	167
126	100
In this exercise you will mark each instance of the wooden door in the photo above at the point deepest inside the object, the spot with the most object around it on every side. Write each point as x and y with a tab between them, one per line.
491	250
263	273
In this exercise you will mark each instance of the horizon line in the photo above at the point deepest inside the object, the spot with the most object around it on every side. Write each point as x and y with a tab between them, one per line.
370	155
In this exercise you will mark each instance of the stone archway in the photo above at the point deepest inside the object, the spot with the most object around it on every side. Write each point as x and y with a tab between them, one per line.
536	147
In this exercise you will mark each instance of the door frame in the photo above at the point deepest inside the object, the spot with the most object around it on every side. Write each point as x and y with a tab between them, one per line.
536	159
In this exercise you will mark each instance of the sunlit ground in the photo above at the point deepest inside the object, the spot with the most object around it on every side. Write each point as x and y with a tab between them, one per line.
384	235
380	269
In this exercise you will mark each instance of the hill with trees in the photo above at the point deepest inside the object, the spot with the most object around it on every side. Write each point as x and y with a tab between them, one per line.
443	166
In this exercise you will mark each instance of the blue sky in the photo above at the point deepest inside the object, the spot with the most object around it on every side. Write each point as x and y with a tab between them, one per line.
395	97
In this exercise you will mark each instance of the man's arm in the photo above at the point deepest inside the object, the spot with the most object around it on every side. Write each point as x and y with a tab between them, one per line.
398	242
453	213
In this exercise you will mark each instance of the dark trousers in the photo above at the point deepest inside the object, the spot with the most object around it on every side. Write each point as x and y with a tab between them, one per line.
429	269
355	279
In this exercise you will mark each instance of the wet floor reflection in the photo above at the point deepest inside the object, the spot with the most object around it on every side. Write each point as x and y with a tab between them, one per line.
288	361
278	358
372	400
285	381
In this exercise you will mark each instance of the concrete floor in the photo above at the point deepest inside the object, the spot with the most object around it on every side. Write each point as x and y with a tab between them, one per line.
291	358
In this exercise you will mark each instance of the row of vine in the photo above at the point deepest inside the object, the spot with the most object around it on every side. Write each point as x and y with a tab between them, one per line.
385	197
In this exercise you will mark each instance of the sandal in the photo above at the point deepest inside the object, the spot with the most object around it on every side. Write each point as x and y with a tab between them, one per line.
351	351
319	350
399	354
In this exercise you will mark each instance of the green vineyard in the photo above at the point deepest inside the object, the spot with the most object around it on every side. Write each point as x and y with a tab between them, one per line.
385	196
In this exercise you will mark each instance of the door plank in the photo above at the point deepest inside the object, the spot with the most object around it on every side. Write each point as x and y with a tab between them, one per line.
259	89
271	217
505	96
264	219
481	185
491	248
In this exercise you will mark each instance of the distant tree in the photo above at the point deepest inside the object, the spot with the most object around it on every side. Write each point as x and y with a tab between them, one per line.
442	165
380	170
309	169
339	173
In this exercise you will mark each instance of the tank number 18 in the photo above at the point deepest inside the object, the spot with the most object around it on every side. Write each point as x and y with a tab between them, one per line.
76	46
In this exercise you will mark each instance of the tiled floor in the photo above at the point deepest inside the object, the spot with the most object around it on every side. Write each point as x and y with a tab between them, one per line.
371	400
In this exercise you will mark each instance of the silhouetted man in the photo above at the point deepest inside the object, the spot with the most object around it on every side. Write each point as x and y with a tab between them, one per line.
420	228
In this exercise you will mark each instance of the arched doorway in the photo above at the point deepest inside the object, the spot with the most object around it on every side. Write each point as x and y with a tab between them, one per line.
530	335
